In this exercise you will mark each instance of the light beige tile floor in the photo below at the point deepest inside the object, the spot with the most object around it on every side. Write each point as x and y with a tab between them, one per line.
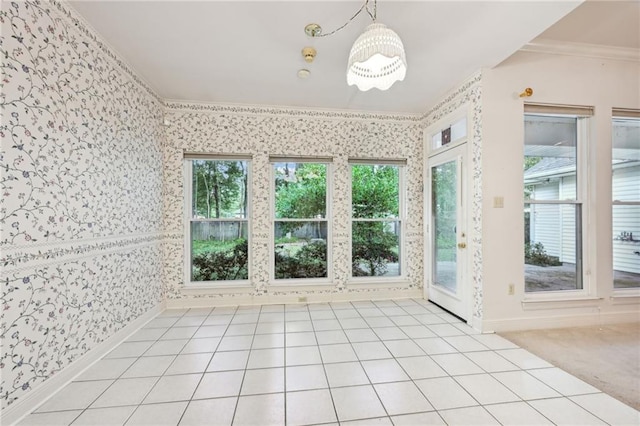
402	362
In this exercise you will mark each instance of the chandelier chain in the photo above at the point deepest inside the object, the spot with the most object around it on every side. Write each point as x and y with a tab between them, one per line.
365	6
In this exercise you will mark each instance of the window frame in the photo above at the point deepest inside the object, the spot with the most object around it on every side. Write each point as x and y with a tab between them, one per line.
402	219
300	282
188	199
624	114
584	123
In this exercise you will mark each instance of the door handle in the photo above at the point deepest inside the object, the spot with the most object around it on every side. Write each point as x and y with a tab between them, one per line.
462	245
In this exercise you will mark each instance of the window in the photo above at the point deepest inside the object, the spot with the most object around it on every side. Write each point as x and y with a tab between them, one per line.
217	219
626	198
450	135
301	227
376	219
553	192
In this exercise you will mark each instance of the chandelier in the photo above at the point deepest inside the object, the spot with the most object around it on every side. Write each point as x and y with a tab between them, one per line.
377	58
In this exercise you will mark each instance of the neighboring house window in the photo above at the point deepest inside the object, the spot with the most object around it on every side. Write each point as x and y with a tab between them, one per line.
300	222
376	218
554	193
626	198
217	206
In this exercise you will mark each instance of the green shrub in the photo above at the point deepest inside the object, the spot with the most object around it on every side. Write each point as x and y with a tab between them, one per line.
535	254
309	262
374	248
222	265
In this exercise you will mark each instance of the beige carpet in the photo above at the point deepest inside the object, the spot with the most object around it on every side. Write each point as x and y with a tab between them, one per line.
607	357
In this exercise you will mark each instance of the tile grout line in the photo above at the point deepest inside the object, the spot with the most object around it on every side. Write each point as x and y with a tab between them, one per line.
195	389
452	377
157	380
235	411
362	367
326	376
317	345
120	377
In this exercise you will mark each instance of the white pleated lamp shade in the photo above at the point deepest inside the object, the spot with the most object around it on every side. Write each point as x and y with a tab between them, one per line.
377	59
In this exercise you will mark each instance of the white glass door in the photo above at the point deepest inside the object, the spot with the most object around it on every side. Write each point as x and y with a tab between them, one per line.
447	249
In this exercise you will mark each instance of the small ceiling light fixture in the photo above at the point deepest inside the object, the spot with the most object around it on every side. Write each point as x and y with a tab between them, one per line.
309	54
377	58
304	73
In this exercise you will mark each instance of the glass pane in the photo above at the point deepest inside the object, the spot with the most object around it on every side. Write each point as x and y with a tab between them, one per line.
453	133
626	160
301	249
219	189
552	247
444	212
550	157
301	190
436	141
375	191
375	249
459	129
219	250
626	246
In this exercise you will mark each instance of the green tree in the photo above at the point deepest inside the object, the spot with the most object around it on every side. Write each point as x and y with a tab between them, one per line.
444	189
372	247
375	195
374	191
301	193
219	188
301	190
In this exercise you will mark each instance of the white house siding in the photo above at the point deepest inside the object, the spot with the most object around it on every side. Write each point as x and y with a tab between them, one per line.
550	221
568	220
626	218
626	183
545	219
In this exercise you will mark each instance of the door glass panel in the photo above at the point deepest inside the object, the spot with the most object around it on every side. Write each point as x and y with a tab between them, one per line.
444	213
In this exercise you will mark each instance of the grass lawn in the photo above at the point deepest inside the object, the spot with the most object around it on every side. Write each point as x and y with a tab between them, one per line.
207	246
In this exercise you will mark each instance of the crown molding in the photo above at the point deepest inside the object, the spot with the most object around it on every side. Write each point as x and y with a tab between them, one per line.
77	21
218	108
599	51
467	84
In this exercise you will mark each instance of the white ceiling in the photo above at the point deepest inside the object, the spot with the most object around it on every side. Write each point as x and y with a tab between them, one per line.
249	52
609	23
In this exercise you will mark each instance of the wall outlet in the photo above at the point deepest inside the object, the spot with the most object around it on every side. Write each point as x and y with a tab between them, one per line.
302	299
512	289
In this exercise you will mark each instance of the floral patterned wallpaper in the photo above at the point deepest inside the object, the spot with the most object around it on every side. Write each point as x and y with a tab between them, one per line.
261	132
81	211
91	211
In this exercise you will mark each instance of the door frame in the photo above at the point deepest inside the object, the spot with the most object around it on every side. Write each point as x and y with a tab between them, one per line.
456	149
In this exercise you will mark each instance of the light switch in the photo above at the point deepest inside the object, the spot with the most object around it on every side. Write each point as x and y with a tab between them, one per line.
498	202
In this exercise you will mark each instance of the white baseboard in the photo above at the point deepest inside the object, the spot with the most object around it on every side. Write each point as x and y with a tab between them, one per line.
32	400
559	321
205	302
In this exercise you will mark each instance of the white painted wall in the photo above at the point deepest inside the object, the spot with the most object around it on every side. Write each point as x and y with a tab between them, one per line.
555	79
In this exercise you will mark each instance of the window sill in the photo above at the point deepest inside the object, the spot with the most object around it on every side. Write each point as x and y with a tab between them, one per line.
559	302
311	282
629	296
379	282
215	287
